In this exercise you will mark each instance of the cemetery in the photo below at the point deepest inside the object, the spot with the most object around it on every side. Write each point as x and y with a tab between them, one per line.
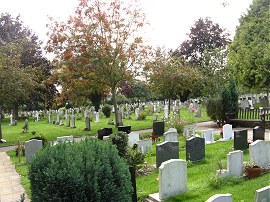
97	113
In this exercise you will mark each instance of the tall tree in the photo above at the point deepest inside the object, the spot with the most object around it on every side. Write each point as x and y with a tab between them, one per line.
101	42
249	53
170	76
206	50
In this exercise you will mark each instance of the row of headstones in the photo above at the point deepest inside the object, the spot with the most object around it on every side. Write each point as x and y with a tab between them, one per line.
173	172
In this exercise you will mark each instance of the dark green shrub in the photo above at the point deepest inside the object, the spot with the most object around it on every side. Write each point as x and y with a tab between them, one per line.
135	157
120	140
214	108
107	110
142	115
90	170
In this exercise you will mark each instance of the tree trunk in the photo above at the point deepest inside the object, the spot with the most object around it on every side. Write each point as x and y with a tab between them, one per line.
115	106
15	111
169	107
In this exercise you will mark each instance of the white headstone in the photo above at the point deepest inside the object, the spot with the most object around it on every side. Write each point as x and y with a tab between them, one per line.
31	148
137	110
208	135
166	111
262	195
144	145
133	138
220	198
235	163
172	130
171	136
11	119
97	117
227	132
259	152
65	138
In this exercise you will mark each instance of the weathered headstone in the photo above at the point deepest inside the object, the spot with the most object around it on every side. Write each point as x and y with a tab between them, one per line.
172	179
195	149
31	148
235	163
166	111
171	136
240	140
97	117
189	130
258	133
259	152
133	138
227	132
50	117
144	145
68	121
73	121
158	128
208	135
263	194
87	124
198	112
166	151
220	198
137	111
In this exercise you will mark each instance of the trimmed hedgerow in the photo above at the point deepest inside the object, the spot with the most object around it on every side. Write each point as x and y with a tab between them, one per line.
87	171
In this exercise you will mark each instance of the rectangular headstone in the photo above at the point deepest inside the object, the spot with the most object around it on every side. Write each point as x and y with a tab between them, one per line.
144	145
258	133
171	136
240	140
259	152
227	132
208	135
31	148
166	151
68	121
65	139
158	128
87	124
126	129
104	132
262	195
133	138
235	163
195	149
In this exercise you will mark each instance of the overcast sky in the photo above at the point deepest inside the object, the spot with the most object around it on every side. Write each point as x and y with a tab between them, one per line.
170	20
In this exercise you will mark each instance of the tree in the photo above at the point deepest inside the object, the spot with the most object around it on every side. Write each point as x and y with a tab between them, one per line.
170	76
206	50
101	38
250	49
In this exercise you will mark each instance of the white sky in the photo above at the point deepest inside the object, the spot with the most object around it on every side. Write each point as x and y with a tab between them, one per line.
170	20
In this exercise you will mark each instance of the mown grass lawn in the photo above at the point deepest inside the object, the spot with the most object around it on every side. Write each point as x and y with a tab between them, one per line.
50	131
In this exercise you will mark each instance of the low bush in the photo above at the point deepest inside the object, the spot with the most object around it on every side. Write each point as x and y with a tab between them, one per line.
90	170
142	115
120	140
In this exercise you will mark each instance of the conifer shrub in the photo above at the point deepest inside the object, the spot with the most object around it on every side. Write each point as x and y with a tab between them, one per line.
107	110
90	170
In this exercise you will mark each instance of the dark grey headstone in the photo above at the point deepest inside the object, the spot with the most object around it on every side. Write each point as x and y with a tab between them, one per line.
87	124
68	121
166	151
104	132
158	128
126	129
240	141
195	149
258	133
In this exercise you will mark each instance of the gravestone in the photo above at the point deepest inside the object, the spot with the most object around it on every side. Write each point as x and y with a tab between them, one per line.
158	128
143	145
97	117
25	127
65	139
240	140
195	149
172	179
166	111
87	124
227	132
189	130
198	112
155	117
263	194
171	136
235	163
50	118
137	111
208	135
220	198
57	119
166	151
104	132
31	148
68	121
133	138
126	129
259	152
172	130
73	121
258	133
